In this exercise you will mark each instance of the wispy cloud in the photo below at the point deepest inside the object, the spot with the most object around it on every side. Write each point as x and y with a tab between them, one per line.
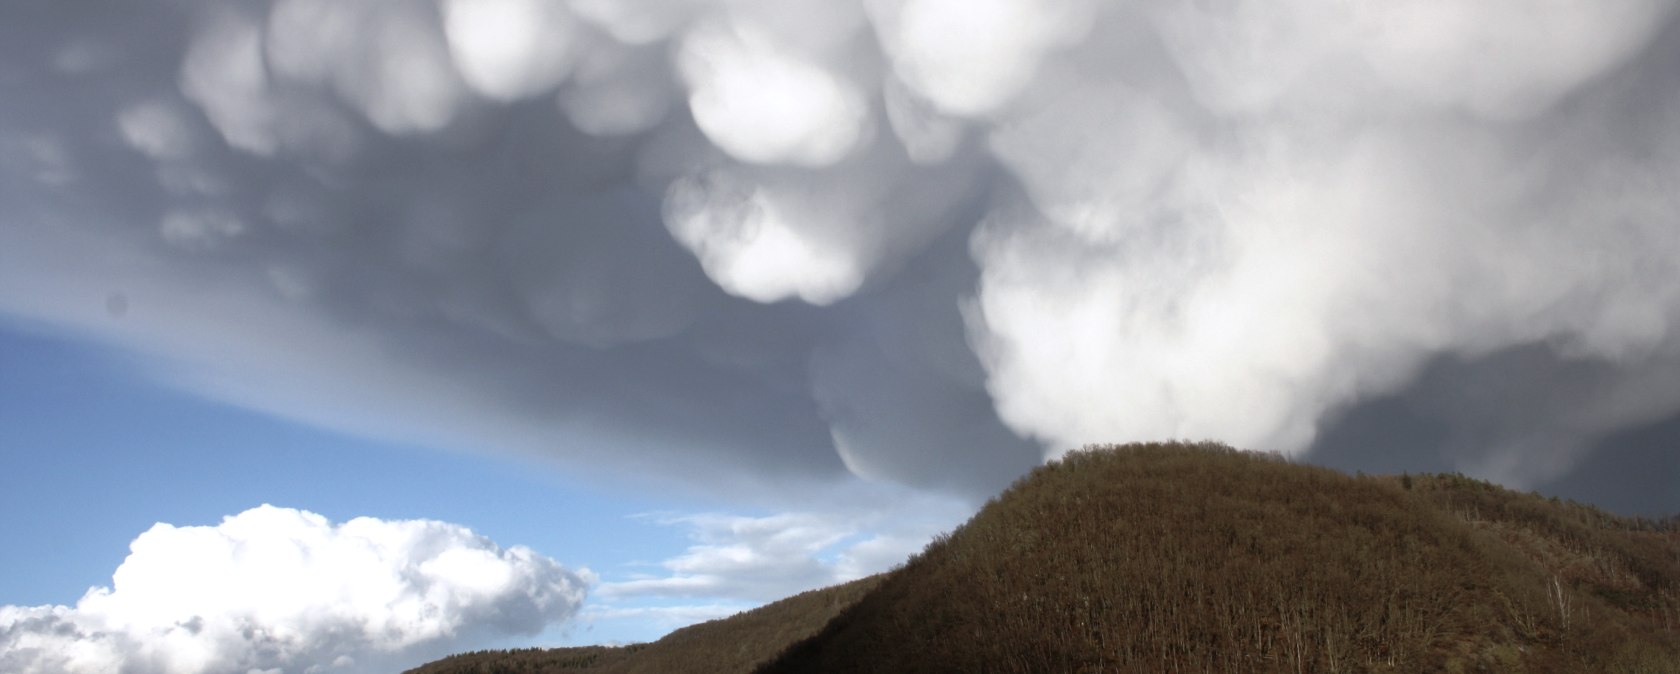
750	558
662	618
756	559
738	562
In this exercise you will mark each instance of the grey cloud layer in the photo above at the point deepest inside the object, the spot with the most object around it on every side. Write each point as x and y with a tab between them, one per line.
927	241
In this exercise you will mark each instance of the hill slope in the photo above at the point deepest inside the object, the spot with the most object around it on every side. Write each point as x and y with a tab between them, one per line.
1199	558
738	643
1168	558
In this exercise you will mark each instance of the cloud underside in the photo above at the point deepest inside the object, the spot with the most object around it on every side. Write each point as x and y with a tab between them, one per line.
926	242
277	589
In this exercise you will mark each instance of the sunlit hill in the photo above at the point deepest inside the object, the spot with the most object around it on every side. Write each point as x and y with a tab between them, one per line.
1202	558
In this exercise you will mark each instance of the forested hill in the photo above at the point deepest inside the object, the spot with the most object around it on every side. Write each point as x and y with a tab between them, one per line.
1153	558
739	643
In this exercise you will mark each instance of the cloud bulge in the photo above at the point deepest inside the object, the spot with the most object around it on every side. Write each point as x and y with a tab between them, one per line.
759	243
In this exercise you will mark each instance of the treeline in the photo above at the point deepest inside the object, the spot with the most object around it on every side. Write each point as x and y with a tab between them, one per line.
530	660
1169	558
1202	558
739	643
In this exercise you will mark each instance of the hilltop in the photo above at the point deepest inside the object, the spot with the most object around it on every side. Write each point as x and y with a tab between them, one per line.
1198	558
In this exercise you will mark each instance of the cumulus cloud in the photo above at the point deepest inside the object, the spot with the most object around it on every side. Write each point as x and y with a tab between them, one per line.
970	57
510	49
762	105
277	589
929	242
1259	286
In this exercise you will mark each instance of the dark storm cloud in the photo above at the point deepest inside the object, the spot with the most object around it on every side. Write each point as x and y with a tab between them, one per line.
927	242
1580	429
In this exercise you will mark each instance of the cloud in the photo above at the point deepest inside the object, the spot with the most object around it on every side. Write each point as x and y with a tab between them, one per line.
745	560
1486	57
1273	291
750	247
663	618
763	105
286	590
971	57
754	558
510	49
1247	285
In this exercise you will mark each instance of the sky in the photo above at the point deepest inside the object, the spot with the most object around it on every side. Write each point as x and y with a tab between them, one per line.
338	336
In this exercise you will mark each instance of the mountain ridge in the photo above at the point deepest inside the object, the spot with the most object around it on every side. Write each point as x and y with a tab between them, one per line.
1200	557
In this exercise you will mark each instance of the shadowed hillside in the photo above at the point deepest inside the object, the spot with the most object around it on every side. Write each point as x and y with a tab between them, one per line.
1156	558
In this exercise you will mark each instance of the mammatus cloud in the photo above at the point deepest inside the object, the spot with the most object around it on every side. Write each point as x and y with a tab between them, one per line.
927	242
281	590
1358	213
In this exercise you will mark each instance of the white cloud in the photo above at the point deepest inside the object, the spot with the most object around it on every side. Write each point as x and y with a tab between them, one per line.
1290	278
1499	58
757	244
286	590
763	104
277	79
663	618
749	558
159	129
510	49
1229	219
224	74
970	57
1095	159
745	560
737	562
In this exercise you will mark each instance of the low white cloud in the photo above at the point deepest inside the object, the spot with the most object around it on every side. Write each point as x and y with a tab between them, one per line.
662	618
753	558
737	562
277	589
745	560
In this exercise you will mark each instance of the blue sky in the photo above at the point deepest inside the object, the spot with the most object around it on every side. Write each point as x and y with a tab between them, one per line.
96	452
592	319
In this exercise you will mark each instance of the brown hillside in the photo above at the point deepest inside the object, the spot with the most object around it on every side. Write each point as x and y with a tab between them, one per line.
1164	558
1201	558
738	643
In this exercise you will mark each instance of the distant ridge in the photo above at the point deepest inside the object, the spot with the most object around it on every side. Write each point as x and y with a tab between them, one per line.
1202	558
738	643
